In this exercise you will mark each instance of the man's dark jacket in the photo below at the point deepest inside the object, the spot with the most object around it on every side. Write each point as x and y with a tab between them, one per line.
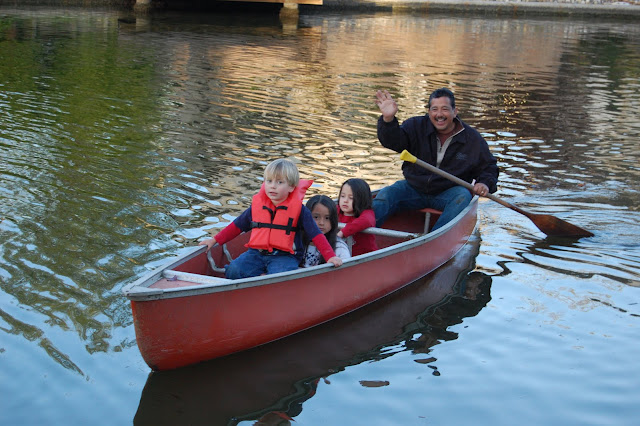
467	157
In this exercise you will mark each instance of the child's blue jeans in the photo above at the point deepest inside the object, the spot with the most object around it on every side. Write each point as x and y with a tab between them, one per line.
252	263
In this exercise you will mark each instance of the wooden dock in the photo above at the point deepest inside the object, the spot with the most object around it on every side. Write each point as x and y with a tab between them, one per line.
289	7
316	2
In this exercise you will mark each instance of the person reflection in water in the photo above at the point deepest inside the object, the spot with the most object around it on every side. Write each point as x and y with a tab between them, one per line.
274	418
473	296
441	139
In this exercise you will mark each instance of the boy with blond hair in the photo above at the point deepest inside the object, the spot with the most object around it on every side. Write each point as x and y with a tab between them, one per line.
276	219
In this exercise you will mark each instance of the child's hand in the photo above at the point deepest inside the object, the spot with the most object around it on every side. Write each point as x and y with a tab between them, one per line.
335	260
340	234
209	243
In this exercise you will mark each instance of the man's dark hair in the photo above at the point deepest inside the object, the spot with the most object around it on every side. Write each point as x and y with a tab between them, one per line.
438	93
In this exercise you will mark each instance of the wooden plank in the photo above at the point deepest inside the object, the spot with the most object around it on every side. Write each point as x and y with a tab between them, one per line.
170	274
316	2
383	232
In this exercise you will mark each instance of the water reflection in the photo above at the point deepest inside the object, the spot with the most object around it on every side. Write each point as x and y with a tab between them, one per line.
581	258
275	380
124	143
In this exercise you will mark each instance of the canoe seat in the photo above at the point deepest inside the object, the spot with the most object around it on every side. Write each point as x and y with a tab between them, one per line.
427	217
172	275
381	232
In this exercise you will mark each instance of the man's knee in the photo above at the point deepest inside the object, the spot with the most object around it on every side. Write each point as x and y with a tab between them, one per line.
462	198
457	196
382	206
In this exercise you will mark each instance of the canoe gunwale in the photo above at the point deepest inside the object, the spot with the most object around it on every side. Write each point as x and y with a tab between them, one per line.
140	289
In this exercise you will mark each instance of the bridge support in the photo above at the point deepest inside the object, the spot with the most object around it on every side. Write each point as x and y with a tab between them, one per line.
142	6
289	11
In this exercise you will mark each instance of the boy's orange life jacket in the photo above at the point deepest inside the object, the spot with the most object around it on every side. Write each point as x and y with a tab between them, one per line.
275	227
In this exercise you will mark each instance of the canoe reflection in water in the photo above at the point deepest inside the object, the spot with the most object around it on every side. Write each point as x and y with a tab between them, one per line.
270	383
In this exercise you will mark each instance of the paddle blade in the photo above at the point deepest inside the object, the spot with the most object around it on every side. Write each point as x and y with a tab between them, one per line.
554	227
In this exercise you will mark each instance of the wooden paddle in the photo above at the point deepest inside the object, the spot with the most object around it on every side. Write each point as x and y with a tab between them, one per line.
548	224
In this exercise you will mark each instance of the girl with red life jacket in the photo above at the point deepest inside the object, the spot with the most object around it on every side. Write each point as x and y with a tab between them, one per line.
276	219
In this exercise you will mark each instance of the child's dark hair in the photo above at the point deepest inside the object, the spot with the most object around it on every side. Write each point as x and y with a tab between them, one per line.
362	199
333	217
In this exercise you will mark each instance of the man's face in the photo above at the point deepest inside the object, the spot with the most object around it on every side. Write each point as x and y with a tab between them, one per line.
441	114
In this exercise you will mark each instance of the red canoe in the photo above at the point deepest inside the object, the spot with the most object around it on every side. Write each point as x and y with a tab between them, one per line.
185	312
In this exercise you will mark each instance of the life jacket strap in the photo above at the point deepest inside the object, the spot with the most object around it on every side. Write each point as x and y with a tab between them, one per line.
288	228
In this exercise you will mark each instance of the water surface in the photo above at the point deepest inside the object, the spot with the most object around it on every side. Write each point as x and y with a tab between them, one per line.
123	143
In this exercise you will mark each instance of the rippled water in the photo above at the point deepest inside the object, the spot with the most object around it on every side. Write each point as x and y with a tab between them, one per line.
122	143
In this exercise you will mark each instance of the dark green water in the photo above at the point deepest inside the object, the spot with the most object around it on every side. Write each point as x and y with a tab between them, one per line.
123	143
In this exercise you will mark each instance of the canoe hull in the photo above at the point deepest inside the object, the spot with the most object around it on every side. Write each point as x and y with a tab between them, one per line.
280	376
174	330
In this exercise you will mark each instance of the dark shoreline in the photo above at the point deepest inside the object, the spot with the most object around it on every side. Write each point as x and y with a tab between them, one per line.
517	8
514	8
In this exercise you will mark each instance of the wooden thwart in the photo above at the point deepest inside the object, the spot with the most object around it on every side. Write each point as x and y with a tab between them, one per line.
382	232
172	275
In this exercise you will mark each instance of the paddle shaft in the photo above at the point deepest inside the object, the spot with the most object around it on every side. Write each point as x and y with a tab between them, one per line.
467	185
548	224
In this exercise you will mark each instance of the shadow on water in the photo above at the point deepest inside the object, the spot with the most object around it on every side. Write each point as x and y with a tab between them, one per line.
273	381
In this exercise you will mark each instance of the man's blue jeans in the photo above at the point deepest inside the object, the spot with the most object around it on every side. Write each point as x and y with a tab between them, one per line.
402	196
252	263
